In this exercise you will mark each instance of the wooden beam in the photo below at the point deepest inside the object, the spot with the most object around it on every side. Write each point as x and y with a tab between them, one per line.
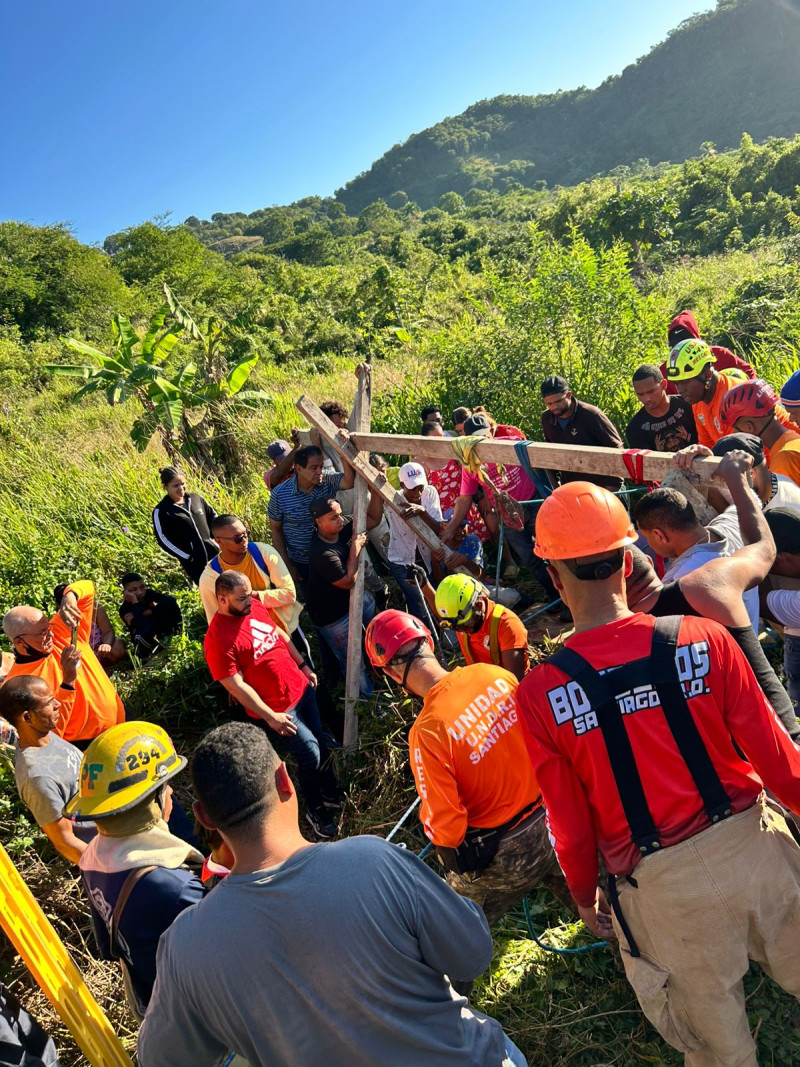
344	444
360	420
586	458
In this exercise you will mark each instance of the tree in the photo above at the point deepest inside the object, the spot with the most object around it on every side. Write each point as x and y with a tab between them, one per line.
136	367
50	282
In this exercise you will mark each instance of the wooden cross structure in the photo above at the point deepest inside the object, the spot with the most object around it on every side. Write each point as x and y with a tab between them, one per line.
355	445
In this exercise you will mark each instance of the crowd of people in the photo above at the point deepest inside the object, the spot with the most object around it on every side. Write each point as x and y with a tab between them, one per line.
658	736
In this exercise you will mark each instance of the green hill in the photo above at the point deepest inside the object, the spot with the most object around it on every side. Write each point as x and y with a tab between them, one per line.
716	76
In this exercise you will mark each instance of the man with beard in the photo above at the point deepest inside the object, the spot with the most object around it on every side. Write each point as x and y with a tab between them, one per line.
663	423
256	662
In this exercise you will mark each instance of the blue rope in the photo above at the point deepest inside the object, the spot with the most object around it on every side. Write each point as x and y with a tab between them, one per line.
553	948
426	850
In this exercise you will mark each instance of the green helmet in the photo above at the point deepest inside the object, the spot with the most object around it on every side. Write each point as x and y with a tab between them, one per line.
688	358
455	599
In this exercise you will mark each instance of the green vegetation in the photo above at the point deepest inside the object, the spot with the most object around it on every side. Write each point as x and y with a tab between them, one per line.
474	300
716	76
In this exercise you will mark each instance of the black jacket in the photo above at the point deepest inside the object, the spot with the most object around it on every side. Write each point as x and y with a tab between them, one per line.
185	532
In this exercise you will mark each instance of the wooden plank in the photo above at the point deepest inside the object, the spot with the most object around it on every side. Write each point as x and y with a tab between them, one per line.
586	458
344	444
685	483
360	420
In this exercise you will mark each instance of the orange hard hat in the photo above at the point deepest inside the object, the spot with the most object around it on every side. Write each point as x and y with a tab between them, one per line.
581	519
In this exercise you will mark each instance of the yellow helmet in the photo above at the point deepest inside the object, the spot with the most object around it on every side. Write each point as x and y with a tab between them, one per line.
455	599
688	358
123	766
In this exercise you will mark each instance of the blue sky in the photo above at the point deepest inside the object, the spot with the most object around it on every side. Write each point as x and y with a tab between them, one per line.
116	112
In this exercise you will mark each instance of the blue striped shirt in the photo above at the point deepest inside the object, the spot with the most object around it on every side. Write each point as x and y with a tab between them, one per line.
291	507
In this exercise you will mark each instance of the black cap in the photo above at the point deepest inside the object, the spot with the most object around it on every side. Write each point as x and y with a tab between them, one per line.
784	524
743	442
554	384
477	426
323	505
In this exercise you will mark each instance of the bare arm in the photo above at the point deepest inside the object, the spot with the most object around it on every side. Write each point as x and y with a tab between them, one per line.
715	589
249	699
460	512
349	578
63	839
104	623
516	661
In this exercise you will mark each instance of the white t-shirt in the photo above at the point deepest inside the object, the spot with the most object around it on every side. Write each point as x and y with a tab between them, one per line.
704	551
403	541
784	605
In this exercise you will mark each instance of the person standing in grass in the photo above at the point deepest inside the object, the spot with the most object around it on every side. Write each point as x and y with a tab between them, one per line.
182	525
654	744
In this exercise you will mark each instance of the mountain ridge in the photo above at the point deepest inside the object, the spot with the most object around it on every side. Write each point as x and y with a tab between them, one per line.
716	76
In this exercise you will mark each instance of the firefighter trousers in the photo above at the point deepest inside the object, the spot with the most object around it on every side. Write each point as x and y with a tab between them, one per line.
699	912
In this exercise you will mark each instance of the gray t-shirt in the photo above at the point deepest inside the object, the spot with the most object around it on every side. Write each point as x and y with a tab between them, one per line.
47	778
335	957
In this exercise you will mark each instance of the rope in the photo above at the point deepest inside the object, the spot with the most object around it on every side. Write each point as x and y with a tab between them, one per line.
554	948
403	819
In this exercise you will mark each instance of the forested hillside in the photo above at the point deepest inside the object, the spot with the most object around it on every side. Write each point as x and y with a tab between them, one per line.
717	76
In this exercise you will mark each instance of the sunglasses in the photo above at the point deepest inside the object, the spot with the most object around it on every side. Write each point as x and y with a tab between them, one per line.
238	539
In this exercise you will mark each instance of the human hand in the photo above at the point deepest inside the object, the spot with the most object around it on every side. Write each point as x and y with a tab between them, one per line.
68	612
357	543
70	661
733	466
282	723
295	437
148	611
363	370
128	618
686	456
104	649
598	917
309	673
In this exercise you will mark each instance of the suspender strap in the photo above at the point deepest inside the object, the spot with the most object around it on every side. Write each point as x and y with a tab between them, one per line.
618	746
494	639
216	565
679	718
462	640
123	896
613	900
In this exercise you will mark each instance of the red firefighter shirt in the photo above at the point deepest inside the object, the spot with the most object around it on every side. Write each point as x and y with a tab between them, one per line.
468	754
571	761
253	646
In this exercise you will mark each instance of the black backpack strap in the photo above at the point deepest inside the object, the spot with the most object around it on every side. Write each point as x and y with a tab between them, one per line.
618	746
679	718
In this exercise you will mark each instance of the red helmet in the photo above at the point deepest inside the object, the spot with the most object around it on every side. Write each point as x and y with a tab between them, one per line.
389	631
750	400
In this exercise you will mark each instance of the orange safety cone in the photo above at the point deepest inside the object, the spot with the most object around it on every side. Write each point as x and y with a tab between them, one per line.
46	957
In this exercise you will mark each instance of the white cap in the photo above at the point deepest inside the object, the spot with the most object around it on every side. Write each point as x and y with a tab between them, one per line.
411	475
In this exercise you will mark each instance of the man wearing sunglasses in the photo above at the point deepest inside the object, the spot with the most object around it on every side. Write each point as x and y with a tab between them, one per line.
89	702
268	574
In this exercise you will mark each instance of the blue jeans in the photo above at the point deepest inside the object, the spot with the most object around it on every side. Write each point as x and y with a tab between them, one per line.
521	544
791	667
314	774
337	634
410	591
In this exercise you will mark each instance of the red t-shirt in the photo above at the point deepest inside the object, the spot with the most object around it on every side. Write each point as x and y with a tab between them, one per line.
251	645
571	760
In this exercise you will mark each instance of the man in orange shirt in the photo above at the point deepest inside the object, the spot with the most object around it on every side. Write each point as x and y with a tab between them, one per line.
39	648
487	632
753	408
691	367
480	800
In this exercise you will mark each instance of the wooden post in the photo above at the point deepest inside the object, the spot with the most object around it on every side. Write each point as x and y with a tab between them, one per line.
360	419
685	483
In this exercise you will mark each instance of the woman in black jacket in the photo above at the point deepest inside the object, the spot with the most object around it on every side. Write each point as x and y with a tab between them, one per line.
182	525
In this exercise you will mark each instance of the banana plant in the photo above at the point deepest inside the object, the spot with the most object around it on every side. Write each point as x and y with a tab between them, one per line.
140	368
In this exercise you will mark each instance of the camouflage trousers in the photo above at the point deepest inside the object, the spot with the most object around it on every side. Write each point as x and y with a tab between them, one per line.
524	860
